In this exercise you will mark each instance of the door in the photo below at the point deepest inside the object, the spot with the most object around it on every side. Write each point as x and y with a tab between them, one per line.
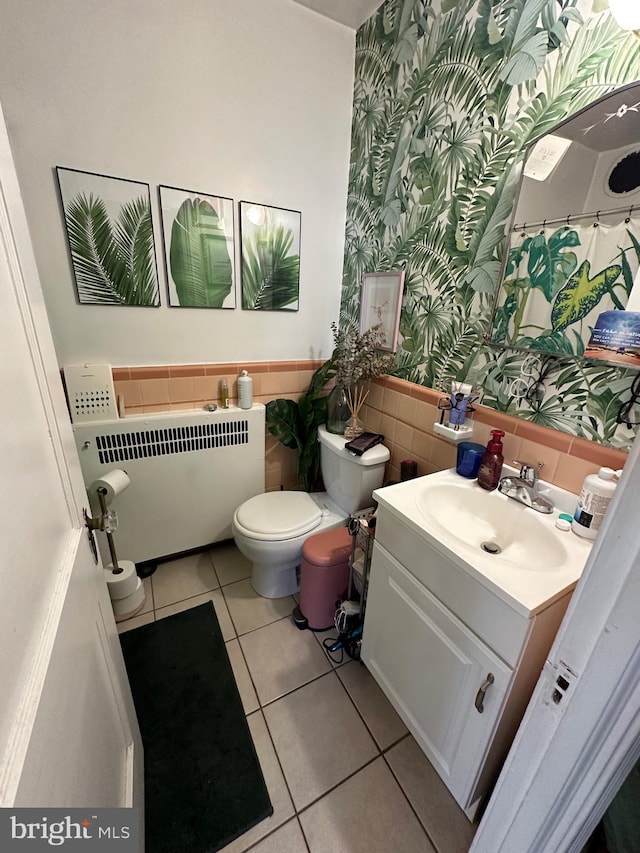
431	668
68	731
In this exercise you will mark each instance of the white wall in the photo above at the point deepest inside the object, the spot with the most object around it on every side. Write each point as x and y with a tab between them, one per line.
249	99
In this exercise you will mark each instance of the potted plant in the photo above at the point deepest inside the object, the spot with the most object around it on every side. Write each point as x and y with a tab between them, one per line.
357	360
296	424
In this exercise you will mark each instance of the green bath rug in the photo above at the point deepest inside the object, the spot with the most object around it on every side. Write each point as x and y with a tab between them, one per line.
203	783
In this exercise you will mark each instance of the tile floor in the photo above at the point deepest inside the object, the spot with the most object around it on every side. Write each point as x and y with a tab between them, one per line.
343	773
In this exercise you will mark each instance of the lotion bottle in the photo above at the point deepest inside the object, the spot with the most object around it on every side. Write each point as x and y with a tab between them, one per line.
491	466
245	390
595	496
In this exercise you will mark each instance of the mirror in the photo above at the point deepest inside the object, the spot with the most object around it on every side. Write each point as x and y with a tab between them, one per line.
573	246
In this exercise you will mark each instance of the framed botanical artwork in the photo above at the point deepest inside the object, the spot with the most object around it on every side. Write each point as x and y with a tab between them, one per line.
380	305
110	234
198	237
270	239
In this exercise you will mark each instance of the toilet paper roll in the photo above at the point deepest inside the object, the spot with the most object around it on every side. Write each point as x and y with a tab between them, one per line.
113	482
124	583
125	608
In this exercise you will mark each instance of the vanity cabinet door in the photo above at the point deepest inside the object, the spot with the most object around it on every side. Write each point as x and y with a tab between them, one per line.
433	670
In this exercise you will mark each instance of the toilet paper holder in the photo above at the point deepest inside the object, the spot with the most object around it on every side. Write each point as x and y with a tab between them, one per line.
107	522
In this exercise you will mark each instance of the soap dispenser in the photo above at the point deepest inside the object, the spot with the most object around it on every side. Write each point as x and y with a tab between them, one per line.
491	465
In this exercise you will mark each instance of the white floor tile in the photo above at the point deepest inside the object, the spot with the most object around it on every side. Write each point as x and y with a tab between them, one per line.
287	839
135	622
224	620
183	578
281	658
230	565
250	610
446	823
243	679
276	786
319	738
366	814
378	713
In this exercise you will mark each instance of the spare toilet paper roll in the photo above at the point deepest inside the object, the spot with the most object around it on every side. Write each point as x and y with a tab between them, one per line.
113	482
125	608
123	584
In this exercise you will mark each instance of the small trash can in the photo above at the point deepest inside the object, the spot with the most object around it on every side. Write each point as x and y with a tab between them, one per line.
324	577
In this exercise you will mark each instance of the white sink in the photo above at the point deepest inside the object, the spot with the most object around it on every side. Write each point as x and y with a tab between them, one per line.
514	550
488	521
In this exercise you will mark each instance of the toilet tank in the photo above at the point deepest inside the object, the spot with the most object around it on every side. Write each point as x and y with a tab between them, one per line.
350	479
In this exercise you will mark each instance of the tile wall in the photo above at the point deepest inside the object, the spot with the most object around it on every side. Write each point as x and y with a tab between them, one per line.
403	412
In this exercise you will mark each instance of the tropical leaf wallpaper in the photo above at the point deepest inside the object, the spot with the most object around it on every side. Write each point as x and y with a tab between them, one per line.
447	97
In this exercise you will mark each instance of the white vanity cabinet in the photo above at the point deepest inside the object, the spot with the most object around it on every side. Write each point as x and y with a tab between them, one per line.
457	661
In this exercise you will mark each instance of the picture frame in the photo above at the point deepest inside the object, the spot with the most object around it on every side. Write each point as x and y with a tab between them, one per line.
199	248
110	238
270	249
380	303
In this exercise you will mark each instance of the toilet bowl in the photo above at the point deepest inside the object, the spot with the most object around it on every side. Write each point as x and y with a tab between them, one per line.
270	529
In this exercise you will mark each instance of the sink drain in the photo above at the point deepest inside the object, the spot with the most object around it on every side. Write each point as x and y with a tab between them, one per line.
491	547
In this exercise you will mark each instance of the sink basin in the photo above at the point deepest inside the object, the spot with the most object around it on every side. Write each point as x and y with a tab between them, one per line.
532	563
492	523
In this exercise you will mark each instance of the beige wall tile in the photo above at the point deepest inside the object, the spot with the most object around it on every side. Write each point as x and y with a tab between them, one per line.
443	454
404	436
571	472
390	402
535	453
279	384
181	389
130	390
376	393
388	429
154	391
408	410
205	388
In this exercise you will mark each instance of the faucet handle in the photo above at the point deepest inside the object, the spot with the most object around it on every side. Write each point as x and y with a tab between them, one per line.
528	471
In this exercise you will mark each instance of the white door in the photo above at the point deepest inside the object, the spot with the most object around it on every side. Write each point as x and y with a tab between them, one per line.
68	731
431	668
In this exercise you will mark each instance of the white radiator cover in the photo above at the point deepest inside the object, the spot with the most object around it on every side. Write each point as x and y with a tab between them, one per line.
189	472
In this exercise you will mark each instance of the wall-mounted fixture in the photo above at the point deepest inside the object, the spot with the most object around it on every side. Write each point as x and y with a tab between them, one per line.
626	13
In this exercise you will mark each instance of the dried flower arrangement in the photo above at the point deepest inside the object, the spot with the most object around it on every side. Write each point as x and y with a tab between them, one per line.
357	360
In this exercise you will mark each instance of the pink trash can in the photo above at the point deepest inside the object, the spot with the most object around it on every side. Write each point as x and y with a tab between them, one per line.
324	577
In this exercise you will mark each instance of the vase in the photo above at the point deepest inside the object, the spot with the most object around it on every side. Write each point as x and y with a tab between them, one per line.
353	428
338	412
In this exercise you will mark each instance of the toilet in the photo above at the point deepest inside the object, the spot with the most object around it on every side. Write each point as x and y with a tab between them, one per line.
270	529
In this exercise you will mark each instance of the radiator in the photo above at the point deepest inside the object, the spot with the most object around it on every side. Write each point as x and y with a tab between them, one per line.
189	471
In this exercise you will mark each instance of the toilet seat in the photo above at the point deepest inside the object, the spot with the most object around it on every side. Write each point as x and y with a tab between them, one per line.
275	516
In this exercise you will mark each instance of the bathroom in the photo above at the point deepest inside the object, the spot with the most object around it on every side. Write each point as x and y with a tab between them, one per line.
251	101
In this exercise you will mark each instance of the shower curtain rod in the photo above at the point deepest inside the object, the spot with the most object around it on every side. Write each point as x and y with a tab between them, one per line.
574	217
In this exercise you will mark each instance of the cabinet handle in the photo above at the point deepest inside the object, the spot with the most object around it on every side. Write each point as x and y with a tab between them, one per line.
479	703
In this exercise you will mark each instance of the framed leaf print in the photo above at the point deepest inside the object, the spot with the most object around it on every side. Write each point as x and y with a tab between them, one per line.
270	238
380	305
198	237
110	234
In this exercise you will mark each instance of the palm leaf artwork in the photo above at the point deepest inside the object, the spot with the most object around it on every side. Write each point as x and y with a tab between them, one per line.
270	267
199	256
113	257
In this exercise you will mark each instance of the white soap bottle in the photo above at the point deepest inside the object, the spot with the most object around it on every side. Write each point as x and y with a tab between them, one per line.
245	390
595	496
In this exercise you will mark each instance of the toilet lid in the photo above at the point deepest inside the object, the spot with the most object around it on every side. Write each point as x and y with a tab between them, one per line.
278	515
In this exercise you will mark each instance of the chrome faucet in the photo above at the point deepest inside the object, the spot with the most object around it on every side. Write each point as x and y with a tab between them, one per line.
524	488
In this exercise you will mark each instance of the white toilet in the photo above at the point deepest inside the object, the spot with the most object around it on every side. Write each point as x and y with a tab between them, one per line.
270	529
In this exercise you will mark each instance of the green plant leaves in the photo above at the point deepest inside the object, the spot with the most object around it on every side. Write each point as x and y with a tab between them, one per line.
550	262
113	261
270	275
199	256
581	294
